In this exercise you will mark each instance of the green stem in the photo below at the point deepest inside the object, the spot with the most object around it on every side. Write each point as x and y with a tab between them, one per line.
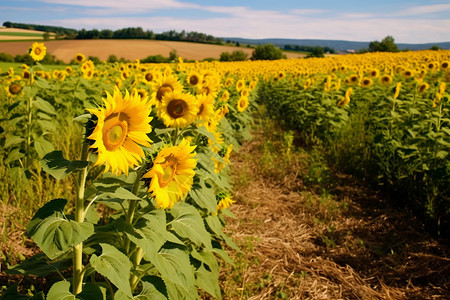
29	120
175	137
79	217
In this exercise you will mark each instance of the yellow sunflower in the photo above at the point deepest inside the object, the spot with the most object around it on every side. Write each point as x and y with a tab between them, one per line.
240	85
225	96
194	78
366	82
37	51
14	89
397	90
177	109
422	87
172	174
386	79
205	105
242	104
225	201
79	58
162	86
121	127
346	99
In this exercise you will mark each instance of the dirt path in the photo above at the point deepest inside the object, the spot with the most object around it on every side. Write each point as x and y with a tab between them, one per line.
345	243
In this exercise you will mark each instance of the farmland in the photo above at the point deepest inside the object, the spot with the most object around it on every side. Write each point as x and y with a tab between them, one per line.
128	49
292	179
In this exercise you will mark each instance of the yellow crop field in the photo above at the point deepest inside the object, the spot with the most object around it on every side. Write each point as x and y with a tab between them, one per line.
121	180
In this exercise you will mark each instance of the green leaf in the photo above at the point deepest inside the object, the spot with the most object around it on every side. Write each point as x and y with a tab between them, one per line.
43	146
60	291
150	233
56	235
115	266
56	165
13	140
204	197
38	265
189	224
149	292
175	267
92	291
14	155
47	125
208	281
45	106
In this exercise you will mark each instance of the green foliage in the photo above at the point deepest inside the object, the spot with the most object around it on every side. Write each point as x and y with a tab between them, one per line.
267	52
237	55
386	45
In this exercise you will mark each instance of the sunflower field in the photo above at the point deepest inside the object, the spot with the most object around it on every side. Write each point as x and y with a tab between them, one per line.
123	168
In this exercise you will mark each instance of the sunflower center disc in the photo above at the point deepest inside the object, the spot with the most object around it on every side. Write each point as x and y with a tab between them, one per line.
37	51
162	91
15	88
177	108
115	131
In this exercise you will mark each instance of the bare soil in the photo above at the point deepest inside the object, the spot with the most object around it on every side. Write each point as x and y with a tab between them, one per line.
66	50
345	244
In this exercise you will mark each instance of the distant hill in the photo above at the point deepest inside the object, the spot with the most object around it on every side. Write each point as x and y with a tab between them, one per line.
337	45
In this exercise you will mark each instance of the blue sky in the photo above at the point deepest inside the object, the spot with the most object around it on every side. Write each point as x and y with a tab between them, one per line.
417	21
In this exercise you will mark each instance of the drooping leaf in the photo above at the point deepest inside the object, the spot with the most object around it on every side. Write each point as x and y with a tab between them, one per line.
43	146
115	266
43	105
208	281
56	165
38	265
188	224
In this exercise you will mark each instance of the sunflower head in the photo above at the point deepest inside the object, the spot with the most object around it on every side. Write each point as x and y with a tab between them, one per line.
386	79
242	104
79	58
205	105
172	174
422	87
366	82
37	51
162	86
14	89
177	109
194	78
122	125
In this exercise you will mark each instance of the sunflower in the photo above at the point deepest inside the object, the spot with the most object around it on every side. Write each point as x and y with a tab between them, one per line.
79	58
252	85
37	51
194	78
229	81
177	109
121	127
205	105
225	201
242	104
445	65
366	82
422	87
397	90
374	73
346	99
150	76
14	89
225	154
26	74
162	86
172	174
245	93
240	84
407	74
386	79
225	96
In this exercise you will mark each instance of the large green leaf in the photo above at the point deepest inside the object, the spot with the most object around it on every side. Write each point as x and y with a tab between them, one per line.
204	196
43	146
60	291
56	235
150	233
56	165
176	271
115	266
188	224
208	281
13	140
149	292
44	106
38	265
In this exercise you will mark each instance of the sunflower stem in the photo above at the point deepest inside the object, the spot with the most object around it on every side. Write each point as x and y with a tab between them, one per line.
175	136
79	217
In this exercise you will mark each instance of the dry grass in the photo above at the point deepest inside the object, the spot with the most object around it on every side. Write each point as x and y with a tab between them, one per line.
66	50
345	244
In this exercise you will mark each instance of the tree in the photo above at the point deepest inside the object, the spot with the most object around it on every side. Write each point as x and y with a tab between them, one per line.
267	52
316	52
386	45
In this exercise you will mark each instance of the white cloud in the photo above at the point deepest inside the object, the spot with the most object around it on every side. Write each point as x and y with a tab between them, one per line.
308	11
421	10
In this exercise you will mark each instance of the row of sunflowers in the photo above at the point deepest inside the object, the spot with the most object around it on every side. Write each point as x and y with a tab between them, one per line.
144	150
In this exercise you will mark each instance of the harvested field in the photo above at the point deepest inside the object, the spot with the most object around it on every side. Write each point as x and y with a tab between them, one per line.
128	49
8	34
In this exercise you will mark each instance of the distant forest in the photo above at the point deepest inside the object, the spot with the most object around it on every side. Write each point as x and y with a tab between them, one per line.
125	33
